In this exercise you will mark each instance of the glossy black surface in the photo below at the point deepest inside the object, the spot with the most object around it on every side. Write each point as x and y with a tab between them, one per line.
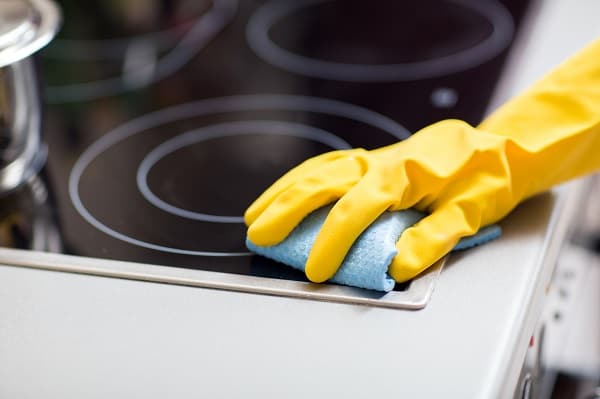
180	87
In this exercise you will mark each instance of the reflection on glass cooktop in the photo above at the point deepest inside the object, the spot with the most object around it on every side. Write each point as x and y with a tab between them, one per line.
166	118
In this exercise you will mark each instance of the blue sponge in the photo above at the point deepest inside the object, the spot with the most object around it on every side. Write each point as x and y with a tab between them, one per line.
367	262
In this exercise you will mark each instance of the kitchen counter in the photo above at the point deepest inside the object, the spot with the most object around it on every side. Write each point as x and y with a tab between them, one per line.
80	336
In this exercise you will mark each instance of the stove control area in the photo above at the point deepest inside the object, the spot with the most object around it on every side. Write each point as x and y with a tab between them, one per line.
564	356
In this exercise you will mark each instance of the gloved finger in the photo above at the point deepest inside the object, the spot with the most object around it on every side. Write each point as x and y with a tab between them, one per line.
352	214
421	245
327	183
422	188
287	180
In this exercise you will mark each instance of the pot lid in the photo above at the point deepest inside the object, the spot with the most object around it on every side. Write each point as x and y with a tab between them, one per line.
25	27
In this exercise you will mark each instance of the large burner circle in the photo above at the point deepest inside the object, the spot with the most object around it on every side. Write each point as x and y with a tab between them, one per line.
209	107
261	23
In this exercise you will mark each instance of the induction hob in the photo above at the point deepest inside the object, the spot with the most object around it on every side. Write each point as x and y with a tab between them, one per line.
166	118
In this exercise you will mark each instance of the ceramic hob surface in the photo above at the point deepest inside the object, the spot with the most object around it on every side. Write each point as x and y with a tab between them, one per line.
167	118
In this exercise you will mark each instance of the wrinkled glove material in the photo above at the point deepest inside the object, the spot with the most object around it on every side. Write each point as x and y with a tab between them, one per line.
367	262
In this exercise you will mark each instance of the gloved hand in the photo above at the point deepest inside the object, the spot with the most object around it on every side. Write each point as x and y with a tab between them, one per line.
464	177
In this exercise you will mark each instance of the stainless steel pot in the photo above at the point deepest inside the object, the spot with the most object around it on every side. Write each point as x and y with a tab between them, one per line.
25	27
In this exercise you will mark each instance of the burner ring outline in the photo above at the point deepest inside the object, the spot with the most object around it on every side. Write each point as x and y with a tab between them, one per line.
206	27
256	102
257	36
262	127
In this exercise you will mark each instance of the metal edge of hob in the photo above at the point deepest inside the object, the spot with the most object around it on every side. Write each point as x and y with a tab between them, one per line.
415	297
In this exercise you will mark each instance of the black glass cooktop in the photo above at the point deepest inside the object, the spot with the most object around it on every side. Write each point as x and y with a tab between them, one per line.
166	118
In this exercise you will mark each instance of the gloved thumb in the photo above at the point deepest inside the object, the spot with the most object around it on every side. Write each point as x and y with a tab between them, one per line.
421	245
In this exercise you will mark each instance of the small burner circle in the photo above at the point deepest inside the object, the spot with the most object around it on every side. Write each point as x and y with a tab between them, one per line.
224	130
261	22
207	107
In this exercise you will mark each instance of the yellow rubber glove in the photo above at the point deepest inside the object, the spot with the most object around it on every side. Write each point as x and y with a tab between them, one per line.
464	177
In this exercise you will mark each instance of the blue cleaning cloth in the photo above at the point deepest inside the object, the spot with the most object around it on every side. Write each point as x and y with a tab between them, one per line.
367	262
